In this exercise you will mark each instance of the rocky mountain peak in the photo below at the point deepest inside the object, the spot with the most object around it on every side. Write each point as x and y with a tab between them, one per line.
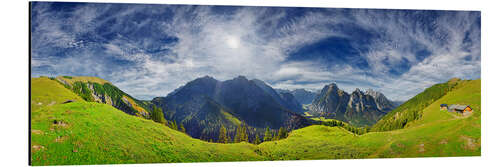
332	85
359	108
329	88
373	93
241	77
205	79
357	91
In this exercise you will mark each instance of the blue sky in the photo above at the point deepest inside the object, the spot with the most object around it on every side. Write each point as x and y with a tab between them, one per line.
149	50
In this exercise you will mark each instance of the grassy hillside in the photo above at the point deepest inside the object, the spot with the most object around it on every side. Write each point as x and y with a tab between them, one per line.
45	91
437	133
411	110
93	133
73	79
94	89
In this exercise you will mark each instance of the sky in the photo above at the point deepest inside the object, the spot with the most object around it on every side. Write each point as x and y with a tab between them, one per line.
150	50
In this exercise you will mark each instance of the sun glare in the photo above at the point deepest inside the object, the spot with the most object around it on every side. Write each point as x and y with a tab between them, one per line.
233	42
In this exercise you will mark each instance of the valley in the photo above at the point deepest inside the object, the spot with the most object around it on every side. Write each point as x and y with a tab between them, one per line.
105	125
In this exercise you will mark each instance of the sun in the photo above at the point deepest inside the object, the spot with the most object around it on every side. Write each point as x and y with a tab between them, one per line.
233	42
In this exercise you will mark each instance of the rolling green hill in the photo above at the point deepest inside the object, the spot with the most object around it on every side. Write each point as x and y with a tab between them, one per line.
45	92
436	133
93	89
92	133
411	110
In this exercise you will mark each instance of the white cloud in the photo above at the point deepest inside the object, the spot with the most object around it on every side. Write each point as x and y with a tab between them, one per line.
253	43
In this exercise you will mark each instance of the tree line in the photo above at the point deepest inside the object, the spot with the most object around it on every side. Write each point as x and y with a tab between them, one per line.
157	116
242	135
242	131
412	109
346	126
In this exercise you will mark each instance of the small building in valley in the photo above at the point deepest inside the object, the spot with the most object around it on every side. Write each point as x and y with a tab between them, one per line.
462	109
444	106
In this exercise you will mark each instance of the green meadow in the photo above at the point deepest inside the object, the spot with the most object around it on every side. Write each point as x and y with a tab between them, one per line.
93	133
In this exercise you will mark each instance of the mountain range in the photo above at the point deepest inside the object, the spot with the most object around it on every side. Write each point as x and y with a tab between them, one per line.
358	108
70	126
303	96
205	104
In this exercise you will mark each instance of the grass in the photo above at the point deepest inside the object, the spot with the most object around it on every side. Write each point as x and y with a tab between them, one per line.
45	91
411	110
306	114
438	133
93	133
85	79
324	119
231	118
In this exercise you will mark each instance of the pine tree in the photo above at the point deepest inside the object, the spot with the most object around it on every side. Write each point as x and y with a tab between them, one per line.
168	124
267	135
157	115
174	125
282	133
244	134
275	136
257	139
223	135
182	128
237	136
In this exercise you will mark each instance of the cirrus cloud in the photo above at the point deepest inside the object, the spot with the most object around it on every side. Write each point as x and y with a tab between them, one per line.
149	50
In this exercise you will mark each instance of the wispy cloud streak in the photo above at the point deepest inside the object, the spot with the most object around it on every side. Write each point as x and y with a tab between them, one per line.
149	50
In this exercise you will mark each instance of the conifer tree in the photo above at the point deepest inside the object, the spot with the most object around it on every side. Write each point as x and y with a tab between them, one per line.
282	133
275	136
174	125
244	134
157	115
257	139
237	136
168	123
267	135
223	135
182	129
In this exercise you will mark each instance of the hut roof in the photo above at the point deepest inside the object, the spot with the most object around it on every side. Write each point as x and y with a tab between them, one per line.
457	107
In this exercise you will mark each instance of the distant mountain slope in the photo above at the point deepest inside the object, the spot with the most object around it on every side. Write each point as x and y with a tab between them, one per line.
303	96
382	103
359	108
93	89
283	98
249	101
412	109
290	102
